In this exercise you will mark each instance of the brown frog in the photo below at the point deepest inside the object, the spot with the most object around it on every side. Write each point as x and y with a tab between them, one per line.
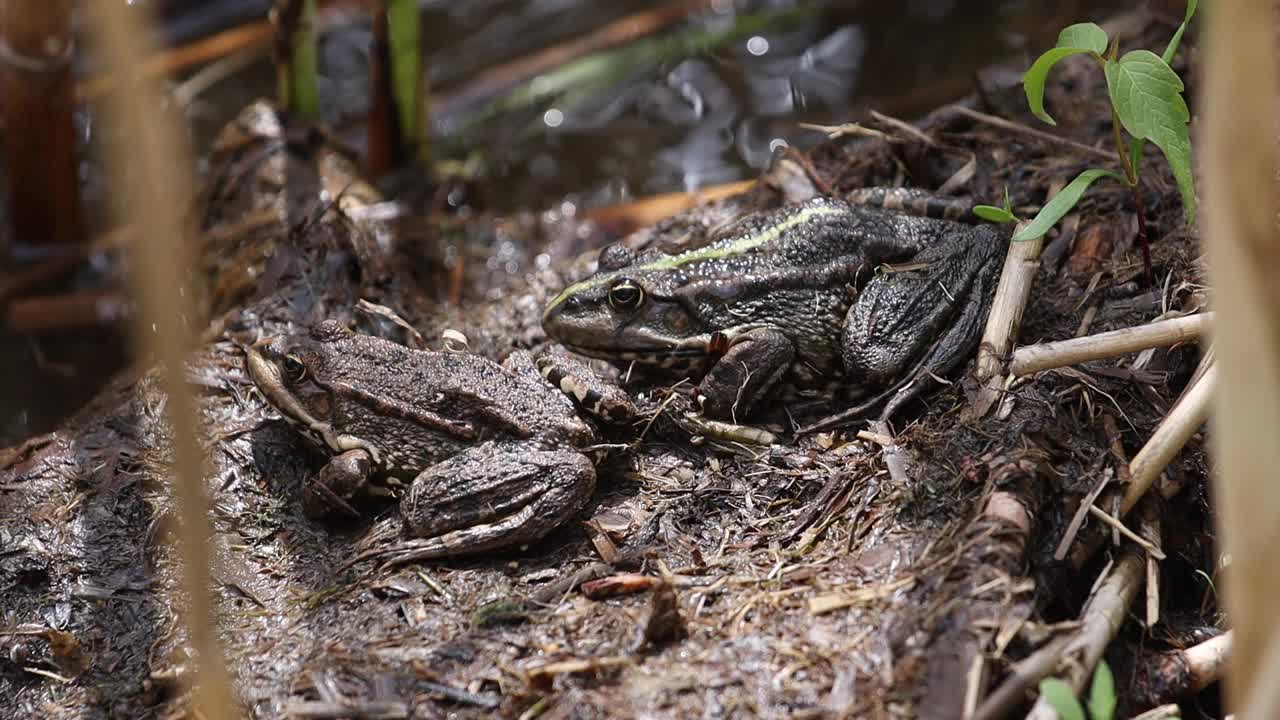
494	454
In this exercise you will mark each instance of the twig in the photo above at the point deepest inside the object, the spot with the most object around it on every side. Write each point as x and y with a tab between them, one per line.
1169	676
1043	356
1077	520
1150	526
55	267
90	308
169	61
904	127
649	210
1142	542
1165	712
632	27
1038	134
1183	421
1020	266
1101	619
1023	676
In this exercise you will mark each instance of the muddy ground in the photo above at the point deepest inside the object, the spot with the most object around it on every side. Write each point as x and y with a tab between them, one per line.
795	580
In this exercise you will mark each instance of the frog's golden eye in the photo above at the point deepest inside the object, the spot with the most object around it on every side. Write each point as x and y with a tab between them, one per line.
294	370
625	295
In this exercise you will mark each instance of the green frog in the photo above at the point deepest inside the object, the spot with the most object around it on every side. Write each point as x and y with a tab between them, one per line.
495	456
806	295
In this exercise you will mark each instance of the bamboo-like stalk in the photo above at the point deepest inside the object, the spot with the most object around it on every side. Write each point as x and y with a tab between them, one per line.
1167	440
1242	243
1016	278
1044	356
1101	619
152	189
1206	661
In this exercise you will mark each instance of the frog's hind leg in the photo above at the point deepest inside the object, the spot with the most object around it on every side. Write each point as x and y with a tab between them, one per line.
910	326
493	496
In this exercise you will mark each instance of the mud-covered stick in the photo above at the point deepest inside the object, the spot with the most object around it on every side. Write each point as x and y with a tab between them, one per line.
1162	333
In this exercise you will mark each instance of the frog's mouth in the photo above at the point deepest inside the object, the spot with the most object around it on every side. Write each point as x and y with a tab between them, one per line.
266	374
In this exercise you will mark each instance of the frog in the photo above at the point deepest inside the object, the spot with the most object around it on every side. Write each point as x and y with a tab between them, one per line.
791	301
493	455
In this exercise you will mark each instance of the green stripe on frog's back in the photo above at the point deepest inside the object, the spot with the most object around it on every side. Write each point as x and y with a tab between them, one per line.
713	251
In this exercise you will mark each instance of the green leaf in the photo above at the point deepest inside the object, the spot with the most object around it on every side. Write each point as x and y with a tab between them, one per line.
1102	693
994	214
1084	36
1033	80
1177	36
1147	96
1058	694
1060	204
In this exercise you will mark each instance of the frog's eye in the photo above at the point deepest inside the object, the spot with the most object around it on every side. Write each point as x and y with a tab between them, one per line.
625	295
294	370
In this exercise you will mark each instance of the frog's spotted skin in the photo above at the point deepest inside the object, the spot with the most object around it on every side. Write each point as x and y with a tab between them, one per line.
808	293
492	451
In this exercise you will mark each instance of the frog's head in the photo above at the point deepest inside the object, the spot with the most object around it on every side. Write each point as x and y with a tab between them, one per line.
630	311
294	373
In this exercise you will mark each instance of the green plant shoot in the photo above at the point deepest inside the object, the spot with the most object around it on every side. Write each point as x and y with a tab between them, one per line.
1147	105
1102	696
997	214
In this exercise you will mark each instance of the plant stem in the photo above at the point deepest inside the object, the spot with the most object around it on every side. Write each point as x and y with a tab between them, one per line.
1132	176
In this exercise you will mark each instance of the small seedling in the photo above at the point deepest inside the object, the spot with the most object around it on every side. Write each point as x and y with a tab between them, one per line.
1146	105
1102	696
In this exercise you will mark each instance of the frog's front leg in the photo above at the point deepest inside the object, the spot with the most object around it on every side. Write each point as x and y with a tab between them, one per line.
332	489
492	496
752	366
592	394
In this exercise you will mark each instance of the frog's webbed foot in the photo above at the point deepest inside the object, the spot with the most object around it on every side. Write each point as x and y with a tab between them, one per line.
592	393
490	497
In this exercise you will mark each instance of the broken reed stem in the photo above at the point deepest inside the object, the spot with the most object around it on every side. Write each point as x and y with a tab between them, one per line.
1101	619
1169	437
1206	662
1020	266
1163	333
153	191
1024	675
1172	711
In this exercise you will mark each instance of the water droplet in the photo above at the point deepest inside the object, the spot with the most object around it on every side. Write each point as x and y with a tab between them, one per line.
757	45
553	118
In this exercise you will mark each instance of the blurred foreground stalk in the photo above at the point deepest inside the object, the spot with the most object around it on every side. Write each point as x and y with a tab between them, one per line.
152	191
36	104
1243	247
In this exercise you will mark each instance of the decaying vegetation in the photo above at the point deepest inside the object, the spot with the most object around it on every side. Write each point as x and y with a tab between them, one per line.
998	533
